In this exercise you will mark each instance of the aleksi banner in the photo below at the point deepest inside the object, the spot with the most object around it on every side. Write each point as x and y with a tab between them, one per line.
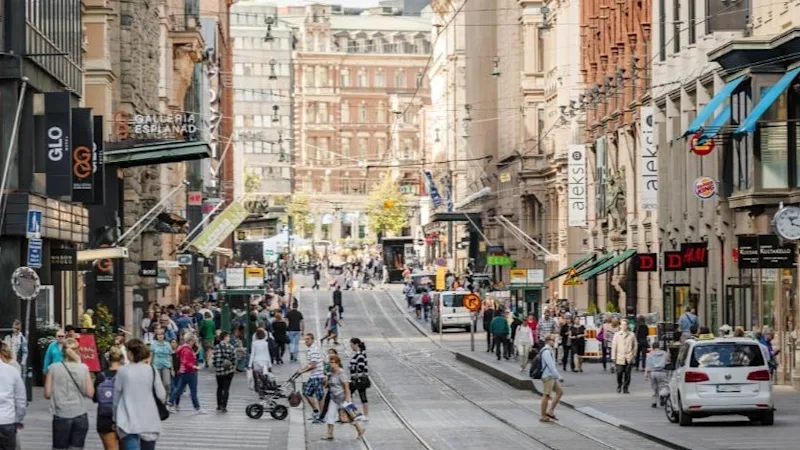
220	228
58	128
648	160
82	156
98	168
576	185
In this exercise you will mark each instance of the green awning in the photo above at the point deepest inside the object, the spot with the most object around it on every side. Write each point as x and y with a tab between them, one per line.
608	264
596	263
576	265
157	153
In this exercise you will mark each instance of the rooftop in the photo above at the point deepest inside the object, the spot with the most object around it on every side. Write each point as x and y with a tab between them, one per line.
372	23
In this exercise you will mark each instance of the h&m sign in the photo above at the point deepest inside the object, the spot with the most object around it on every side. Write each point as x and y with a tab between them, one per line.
692	255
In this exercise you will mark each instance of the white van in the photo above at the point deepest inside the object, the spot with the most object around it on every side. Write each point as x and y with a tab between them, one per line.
450	311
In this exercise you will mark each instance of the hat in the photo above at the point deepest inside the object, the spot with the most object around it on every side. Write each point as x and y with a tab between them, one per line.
90	311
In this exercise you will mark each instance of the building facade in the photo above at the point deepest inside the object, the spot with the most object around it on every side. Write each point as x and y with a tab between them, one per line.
262	75
359	90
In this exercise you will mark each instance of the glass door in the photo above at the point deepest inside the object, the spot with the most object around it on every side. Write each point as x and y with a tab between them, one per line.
738	309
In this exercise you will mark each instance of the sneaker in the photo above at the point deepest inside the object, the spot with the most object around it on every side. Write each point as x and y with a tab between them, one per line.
317	421
172	409
200	412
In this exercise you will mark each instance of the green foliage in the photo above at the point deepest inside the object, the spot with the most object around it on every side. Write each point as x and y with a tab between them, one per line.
611	308
592	310
104	329
300	211
252	182
390	220
46	333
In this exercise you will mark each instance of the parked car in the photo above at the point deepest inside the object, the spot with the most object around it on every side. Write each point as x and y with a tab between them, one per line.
721	376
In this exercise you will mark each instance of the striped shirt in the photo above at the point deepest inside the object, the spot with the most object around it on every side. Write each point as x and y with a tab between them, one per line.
224	352
313	355
545	327
358	364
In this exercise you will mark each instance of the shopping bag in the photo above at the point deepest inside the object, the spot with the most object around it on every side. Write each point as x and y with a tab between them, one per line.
250	380
352	411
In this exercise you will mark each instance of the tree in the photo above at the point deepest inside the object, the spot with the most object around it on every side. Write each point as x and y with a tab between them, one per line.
252	182
299	210
386	211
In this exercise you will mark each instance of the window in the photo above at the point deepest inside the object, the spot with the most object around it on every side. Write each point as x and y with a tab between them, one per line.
600	193
257	69
380	80
248	95
345	78
238	69
237	43
380	115
346	146
773	135
362	78
248	147
345	112
407	145
238	95
676	26
322	77
238	121
345	185
322	150
362	189
662	30
326	185
362	113
248	121
322	112
728	354
257	121
363	144
420	79
400	79
692	22
380	147
284	70
540	49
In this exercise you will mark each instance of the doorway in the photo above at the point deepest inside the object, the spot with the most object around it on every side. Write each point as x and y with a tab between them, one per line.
738	309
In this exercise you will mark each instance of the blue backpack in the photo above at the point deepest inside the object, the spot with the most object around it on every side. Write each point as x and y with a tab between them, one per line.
105	397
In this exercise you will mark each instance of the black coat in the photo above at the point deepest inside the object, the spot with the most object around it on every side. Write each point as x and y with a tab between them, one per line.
488	315
337	298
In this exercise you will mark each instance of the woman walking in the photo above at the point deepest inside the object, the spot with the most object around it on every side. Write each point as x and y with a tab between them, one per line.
224	365
339	388
135	391
67	386
332	324
104	397
280	332
610	328
359	373
260	360
578	335
641	330
162	358
186	374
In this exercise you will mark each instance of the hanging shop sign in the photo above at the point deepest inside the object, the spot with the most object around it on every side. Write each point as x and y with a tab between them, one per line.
701	148
98	168
648	160
138	127
83	164
576	185
694	255
765	251
63	259
705	188
220	228
148	269
646	262
58	130
214	117
673	261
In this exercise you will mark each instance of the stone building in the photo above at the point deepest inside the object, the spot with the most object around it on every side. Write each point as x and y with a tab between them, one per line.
359	89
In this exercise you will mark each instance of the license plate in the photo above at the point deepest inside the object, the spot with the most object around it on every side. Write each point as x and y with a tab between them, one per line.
728	388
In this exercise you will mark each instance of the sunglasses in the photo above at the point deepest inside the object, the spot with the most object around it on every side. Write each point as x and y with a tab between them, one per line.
61	336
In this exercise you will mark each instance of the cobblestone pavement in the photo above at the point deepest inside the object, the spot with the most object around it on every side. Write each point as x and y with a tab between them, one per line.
184	430
593	393
446	403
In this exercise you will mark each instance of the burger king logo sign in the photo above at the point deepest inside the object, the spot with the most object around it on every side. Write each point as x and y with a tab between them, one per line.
705	188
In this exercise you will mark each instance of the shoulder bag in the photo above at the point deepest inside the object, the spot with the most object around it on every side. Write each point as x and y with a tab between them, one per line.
73	379
163	412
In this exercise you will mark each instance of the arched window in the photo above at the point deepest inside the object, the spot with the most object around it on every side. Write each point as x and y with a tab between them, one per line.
400	79
345	112
381	113
362	113
362	78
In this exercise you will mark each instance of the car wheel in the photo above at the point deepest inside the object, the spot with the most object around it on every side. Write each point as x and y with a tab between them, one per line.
669	410
768	418
684	419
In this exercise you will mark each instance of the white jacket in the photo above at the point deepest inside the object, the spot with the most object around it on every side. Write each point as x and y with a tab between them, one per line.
524	336
623	347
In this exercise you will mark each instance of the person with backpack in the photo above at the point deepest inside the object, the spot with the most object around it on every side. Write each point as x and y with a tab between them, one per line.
685	323
426	304
104	397
544	367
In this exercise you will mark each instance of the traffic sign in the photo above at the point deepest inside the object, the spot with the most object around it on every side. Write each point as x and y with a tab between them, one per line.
184	259
572	278
472	302
35	253
420	242
33	230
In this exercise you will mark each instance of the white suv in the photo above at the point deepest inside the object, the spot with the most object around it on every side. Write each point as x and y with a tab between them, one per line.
721	376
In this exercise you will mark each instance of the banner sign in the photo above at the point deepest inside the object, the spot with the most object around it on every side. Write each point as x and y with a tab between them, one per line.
765	252
436	199
234	277
63	259
576	185
148	269
648	160
87	347
220	228
58	128
98	167
646	262
83	164
673	261
154	126
694	255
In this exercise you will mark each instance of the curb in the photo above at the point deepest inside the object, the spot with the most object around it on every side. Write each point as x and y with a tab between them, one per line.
527	384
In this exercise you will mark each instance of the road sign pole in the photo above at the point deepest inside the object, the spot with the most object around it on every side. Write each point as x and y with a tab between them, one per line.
472	332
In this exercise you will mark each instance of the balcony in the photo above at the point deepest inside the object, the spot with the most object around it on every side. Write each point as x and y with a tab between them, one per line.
184	24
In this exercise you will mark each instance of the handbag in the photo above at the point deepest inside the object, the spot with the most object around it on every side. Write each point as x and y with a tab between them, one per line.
360	381
163	412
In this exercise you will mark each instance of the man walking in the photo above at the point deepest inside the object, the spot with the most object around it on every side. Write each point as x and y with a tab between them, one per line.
623	352
18	344
500	332
488	315
317	276
294	328
685	323
551	381
13	402
655	371
313	389
546	327
337	300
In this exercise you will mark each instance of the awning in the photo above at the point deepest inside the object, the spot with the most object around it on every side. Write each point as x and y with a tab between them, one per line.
722	96
767	99
157	153
222	251
609	264
716	125
575	265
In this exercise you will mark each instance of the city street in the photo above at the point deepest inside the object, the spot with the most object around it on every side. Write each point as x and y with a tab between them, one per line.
444	403
592	394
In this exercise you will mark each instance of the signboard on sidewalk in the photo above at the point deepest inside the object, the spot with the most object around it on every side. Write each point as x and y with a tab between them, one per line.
254	277
87	347
234	277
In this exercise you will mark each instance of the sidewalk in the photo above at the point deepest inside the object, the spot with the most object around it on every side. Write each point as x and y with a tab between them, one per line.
593	393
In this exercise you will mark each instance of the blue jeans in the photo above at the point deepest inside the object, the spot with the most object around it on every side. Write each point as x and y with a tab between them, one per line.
294	342
184	380
133	442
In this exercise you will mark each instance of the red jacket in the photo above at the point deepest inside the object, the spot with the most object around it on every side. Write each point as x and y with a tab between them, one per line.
187	358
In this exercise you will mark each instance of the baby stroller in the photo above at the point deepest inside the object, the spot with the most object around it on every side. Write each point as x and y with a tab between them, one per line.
270	393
